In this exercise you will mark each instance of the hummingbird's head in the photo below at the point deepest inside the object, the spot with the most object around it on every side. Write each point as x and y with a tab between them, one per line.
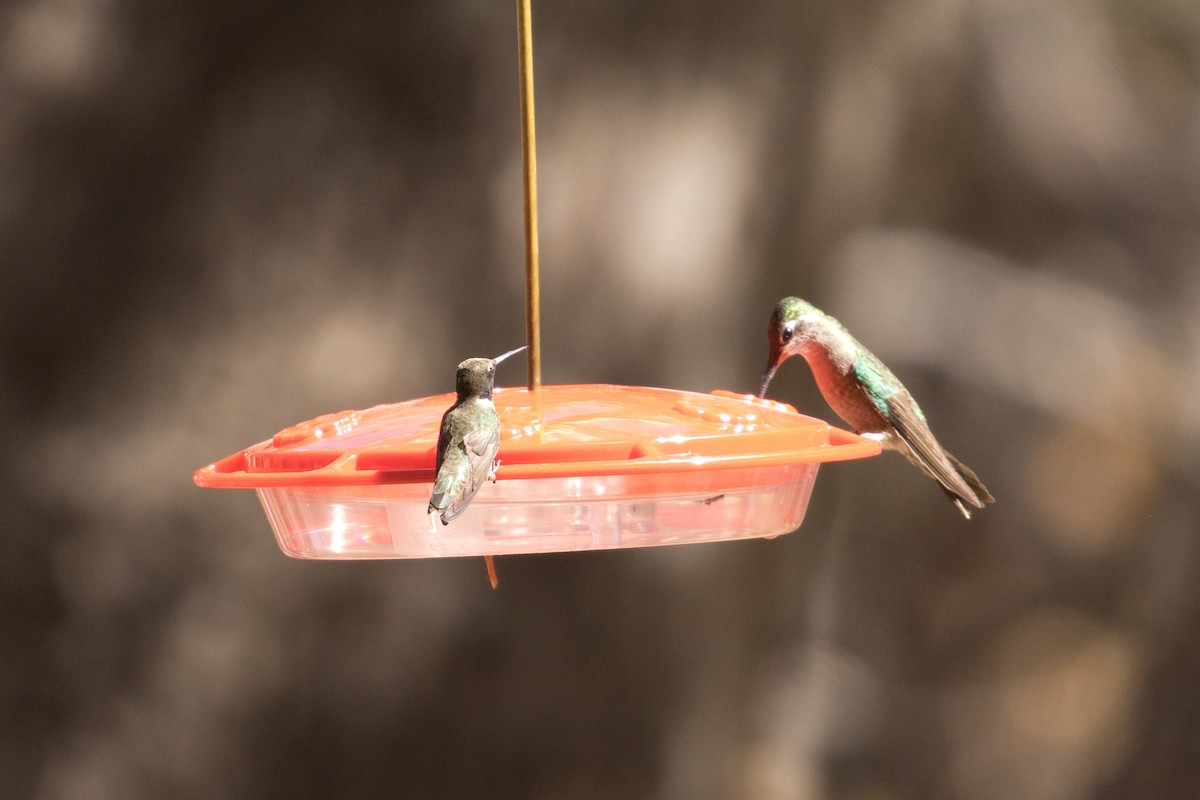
476	377
793	326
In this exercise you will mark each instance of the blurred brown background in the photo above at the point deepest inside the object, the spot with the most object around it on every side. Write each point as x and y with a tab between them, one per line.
220	218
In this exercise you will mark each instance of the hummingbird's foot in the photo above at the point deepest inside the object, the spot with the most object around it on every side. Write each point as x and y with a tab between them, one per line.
492	472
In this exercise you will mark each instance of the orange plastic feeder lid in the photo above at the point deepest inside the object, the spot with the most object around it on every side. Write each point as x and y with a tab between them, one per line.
582	467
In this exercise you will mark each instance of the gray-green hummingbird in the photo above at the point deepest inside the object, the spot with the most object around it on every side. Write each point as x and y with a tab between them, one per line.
865	393
469	439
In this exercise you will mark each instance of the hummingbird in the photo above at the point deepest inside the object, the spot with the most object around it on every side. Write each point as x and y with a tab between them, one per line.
865	393
469	439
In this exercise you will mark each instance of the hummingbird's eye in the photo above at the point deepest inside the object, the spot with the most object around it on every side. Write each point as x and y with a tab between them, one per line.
786	335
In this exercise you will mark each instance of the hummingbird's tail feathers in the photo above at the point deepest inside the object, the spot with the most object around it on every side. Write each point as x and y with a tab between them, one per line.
963	501
949	480
440	499
923	450
965	505
443	506
452	513
443	502
957	480
467	490
968	475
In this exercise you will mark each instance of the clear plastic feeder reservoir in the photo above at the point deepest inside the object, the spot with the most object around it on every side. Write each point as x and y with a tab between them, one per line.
584	467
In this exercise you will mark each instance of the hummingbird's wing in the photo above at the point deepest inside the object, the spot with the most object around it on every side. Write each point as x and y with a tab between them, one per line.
480	447
928	454
445	477
444	434
901	411
957	480
971	478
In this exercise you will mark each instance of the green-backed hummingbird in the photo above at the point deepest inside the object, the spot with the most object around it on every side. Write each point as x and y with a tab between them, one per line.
865	393
469	439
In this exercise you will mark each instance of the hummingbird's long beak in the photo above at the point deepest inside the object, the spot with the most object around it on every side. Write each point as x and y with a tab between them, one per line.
766	378
774	359
498	359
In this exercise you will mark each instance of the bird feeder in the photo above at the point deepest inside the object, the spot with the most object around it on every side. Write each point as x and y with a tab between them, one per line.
584	467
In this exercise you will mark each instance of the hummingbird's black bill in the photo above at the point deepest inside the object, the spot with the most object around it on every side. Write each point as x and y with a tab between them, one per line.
766	379
498	359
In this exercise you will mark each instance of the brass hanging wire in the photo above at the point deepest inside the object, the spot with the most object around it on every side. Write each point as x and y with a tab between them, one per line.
533	314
